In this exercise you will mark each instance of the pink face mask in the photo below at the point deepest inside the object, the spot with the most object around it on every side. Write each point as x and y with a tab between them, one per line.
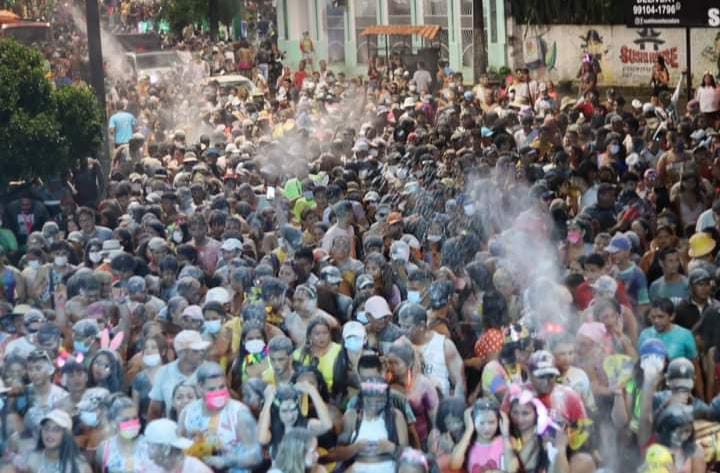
130	428
216	400
573	236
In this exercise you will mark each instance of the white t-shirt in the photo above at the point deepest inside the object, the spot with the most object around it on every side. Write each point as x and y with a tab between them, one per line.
166	379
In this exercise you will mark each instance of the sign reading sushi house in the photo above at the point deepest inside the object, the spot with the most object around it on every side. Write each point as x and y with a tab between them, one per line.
673	13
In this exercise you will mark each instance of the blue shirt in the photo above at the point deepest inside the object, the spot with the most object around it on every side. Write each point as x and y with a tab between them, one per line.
678	341
123	123
661	288
635	284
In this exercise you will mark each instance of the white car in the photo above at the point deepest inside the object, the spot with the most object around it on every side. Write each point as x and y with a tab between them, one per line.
154	64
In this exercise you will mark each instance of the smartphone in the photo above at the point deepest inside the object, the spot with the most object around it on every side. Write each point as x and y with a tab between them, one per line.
270	193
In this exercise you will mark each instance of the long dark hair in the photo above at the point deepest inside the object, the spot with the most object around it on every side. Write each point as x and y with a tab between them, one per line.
236	370
388	414
305	351
277	428
543	459
114	382
69	454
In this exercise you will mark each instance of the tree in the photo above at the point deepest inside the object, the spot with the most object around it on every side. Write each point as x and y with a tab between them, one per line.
181	13
43	131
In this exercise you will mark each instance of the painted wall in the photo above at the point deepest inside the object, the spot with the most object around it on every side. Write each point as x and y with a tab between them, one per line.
626	55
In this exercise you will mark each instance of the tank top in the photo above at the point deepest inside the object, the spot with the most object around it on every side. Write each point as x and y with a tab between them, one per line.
433	365
218	431
372	430
486	456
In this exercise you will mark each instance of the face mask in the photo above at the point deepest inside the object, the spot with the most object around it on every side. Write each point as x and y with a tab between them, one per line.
254	346
469	209
60	261
216	400
34	264
80	347
434	238
573	236
129	429
151	360
95	256
361	317
414	297
354	344
213	326
177	236
89	418
614	149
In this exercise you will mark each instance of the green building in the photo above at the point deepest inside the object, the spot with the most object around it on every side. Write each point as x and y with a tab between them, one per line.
335	28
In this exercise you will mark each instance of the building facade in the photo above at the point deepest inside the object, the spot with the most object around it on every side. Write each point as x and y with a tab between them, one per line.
335	30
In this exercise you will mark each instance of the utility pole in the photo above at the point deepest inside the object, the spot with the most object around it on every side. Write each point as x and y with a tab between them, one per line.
97	73
479	46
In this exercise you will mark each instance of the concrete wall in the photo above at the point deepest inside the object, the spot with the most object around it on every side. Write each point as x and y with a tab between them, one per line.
626	55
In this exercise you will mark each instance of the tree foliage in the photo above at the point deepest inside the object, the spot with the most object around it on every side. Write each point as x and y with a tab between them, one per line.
564	12
181	13
43	131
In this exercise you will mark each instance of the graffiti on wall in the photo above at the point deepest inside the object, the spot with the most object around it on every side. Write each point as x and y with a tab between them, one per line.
711	53
539	54
637	59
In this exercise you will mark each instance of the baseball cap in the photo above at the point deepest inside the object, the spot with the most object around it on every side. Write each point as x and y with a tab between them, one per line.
681	373
60	417
699	275
86	328
394	217
217	294
33	316
378	307
190	340
193	311
363	281
231	244
653	346
331	275
353	329
542	363
21	309
92	398
619	243
164	432
605	285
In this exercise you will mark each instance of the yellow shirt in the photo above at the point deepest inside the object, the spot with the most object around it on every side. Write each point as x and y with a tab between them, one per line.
326	363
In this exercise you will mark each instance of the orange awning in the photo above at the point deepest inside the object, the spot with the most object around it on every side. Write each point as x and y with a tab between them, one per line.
428	32
6	16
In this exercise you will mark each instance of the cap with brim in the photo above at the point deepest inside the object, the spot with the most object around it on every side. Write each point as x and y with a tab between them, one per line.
353	329
542	363
33	316
60	417
687	383
394	217
190	340
21	309
699	275
164	432
701	244
331	274
231	244
377	307
619	243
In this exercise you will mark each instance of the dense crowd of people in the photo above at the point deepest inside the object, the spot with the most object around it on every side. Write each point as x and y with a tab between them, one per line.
395	273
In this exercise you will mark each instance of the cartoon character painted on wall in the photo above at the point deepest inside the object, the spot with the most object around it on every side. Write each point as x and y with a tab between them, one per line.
594	50
712	53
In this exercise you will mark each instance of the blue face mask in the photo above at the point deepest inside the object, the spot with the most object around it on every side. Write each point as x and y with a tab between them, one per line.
353	344
80	347
89	418
213	326
614	149
414	297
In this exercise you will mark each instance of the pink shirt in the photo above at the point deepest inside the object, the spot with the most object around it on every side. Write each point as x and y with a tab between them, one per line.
486	457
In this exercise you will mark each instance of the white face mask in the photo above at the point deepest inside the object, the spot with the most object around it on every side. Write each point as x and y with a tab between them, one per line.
254	346
61	261
34	264
177	236
213	326
151	360
95	256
